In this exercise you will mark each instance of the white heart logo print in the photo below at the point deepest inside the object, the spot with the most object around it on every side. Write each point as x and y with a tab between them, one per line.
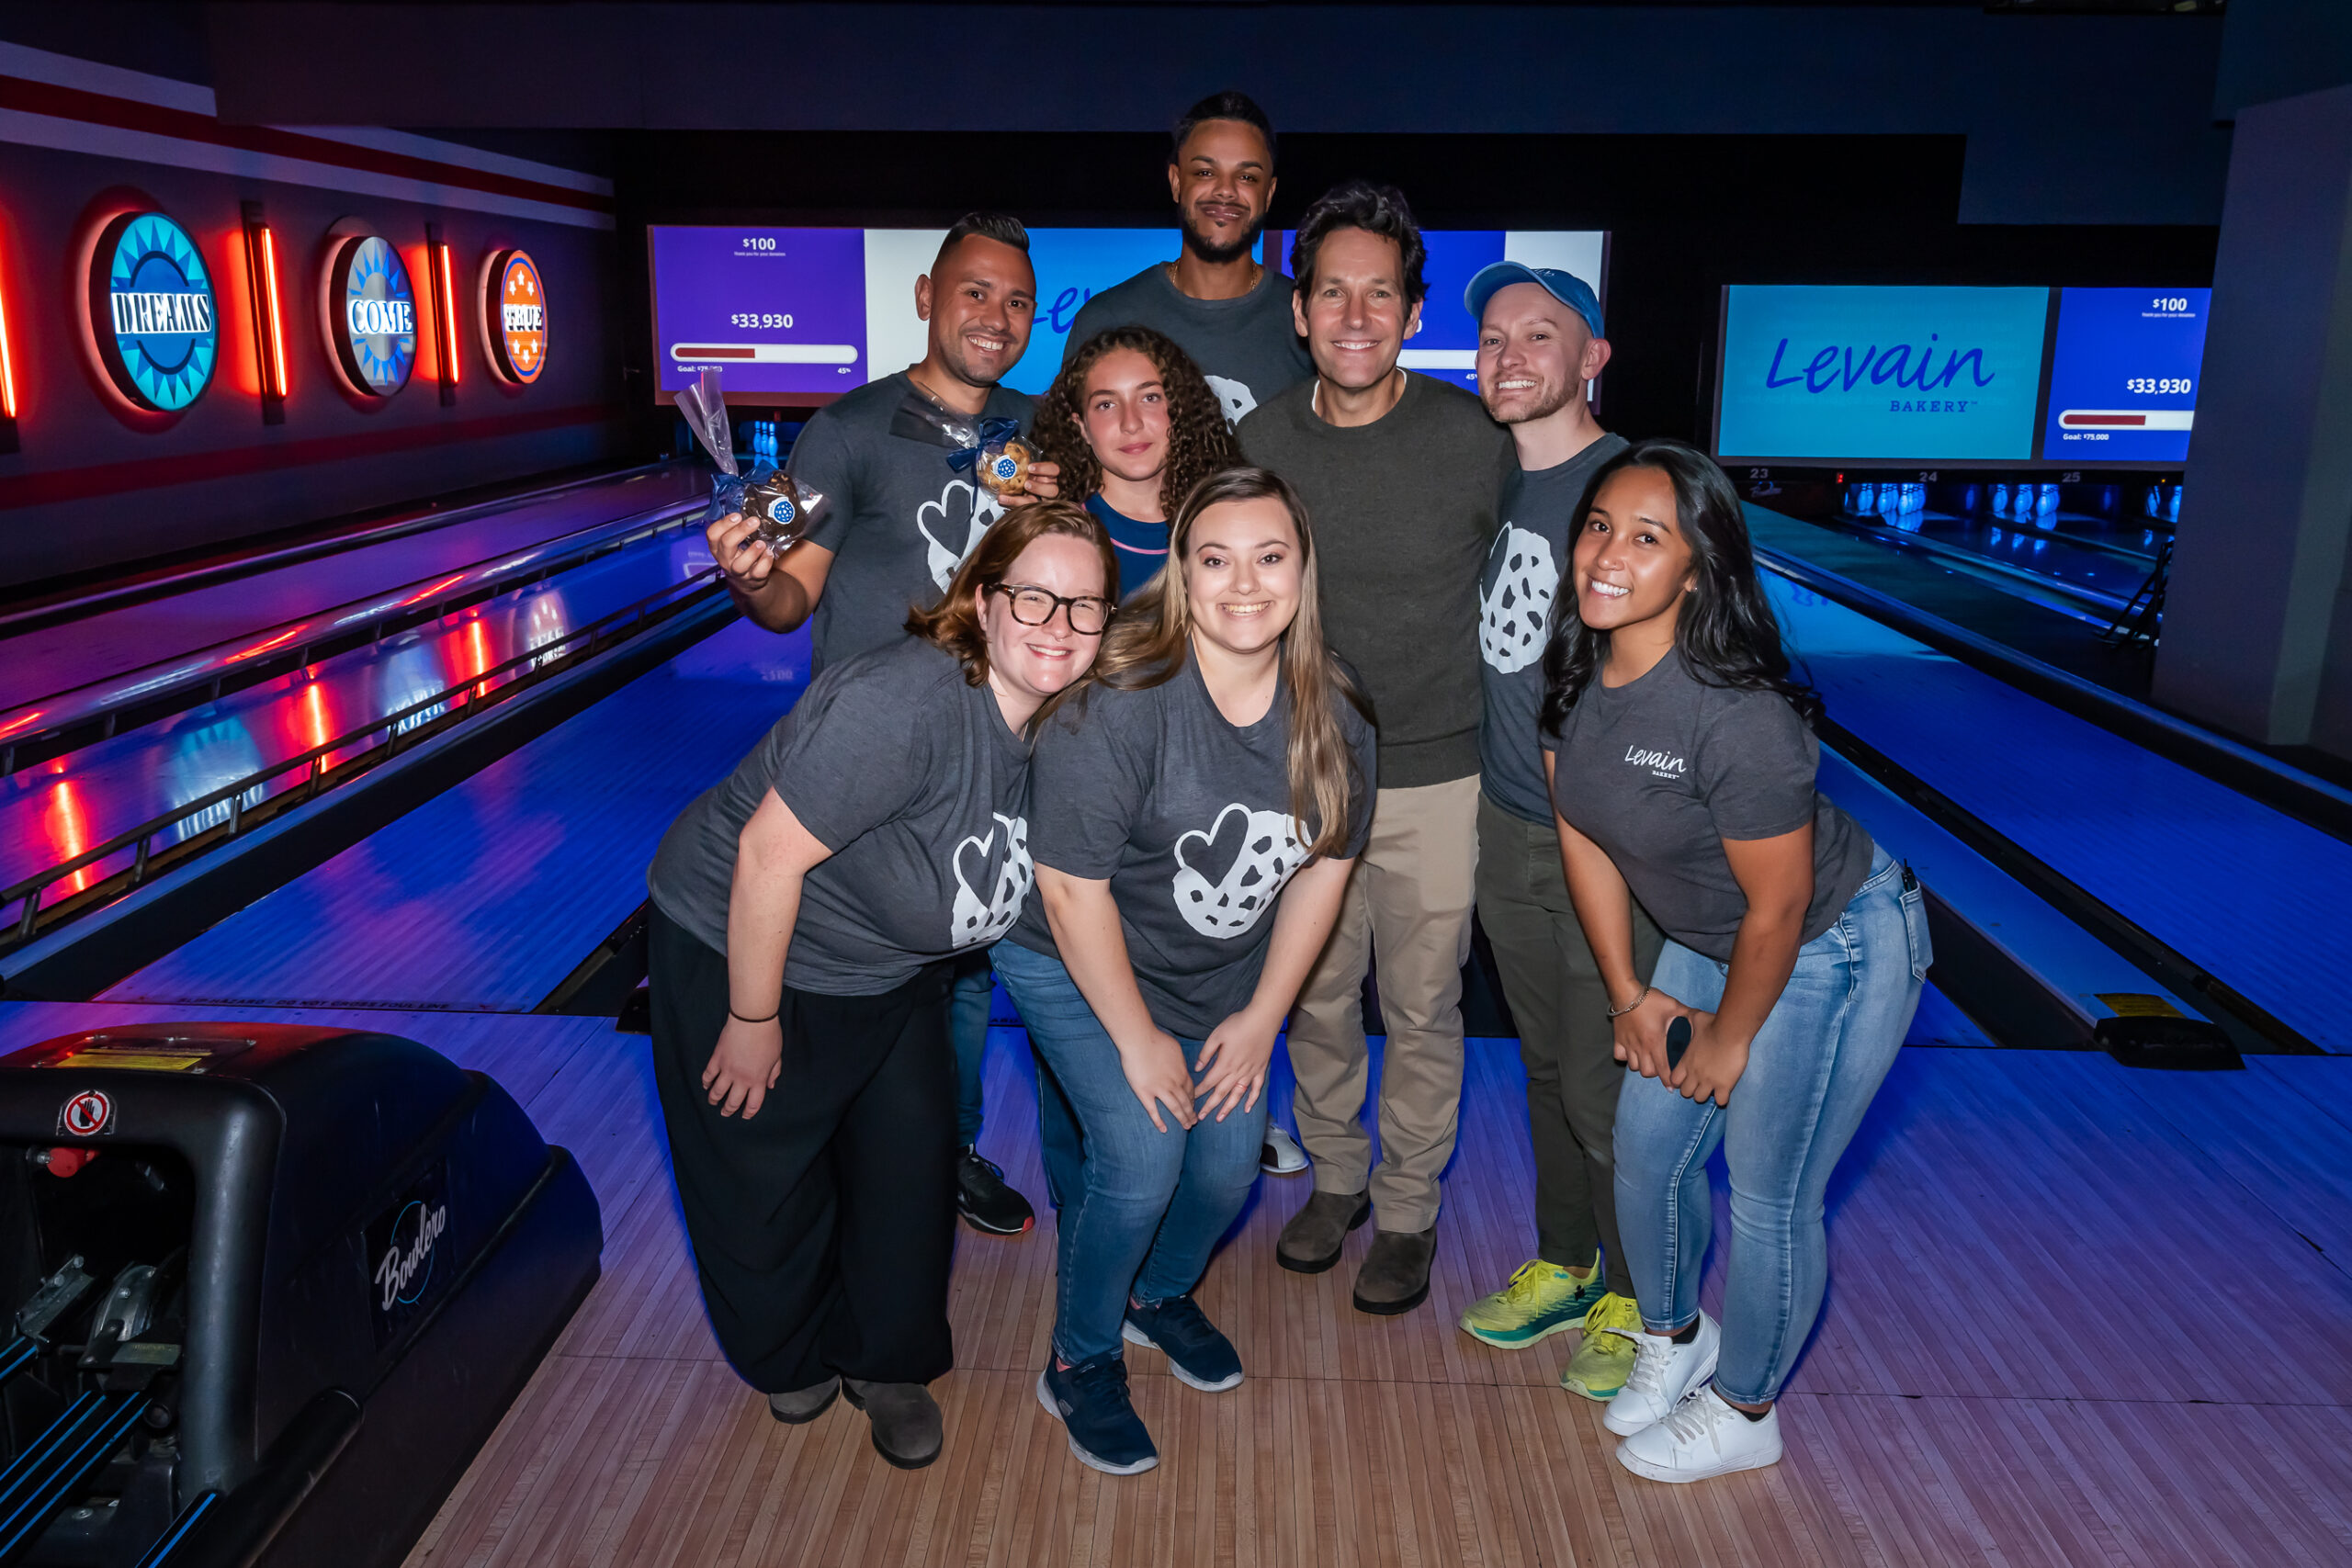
1271	850
975	921
1233	397
1511	613
932	521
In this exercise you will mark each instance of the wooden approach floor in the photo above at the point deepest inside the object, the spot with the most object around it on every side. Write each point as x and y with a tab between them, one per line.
2078	1315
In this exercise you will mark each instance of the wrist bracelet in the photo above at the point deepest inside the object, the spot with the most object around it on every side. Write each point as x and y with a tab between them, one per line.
740	1018
1620	1012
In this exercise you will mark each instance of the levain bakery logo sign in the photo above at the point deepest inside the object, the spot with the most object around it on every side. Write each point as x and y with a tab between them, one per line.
152	312
516	317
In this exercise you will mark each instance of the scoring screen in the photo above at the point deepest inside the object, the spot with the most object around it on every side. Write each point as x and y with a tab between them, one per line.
2124	375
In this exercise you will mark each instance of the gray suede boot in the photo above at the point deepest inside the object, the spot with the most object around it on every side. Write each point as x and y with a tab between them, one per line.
907	1428
1311	1242
1396	1273
801	1405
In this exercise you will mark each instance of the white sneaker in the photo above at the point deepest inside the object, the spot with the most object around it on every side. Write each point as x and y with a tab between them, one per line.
1705	1437
1663	1372
1282	1156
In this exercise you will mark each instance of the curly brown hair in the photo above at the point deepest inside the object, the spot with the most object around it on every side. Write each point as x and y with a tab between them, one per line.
1199	441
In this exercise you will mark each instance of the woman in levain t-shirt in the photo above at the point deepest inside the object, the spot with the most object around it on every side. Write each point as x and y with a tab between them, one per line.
806	912
1682	770
1194	813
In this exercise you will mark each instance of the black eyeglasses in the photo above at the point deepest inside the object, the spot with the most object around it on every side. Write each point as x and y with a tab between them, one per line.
1034	607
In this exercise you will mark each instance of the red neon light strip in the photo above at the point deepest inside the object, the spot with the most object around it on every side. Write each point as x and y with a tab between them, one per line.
276	323
7	370
448	320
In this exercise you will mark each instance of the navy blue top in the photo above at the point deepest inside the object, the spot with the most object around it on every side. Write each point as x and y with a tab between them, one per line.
1142	547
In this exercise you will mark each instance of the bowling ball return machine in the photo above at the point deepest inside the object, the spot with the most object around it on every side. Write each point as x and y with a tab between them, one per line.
267	1289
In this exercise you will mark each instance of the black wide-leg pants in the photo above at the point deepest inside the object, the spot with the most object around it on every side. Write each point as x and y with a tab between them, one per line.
822	1227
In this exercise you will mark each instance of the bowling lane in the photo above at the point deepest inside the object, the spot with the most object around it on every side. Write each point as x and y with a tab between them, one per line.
2249	893
486	897
50	659
52	812
2101	577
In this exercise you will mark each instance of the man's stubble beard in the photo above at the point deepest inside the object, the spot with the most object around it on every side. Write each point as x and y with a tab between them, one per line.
1218	255
1544	409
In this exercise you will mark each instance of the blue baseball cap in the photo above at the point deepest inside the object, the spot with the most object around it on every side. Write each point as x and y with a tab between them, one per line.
1565	286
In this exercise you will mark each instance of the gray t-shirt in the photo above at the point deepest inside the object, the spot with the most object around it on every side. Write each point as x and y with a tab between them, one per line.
1660	771
910	776
1187	816
1524	566
1248	348
898	518
1404	509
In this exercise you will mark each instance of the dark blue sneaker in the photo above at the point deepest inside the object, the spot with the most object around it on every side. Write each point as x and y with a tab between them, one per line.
1197	1353
1090	1399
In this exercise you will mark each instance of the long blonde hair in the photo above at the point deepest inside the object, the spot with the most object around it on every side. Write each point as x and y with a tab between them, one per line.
1149	642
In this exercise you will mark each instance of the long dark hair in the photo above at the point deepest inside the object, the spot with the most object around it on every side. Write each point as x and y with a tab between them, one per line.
1199	441
1726	635
1148	644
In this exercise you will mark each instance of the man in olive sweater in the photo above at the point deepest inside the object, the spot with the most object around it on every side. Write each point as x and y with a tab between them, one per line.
1401	476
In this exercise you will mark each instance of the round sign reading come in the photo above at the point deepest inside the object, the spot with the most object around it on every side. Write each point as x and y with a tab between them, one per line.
152	311
372	308
517	306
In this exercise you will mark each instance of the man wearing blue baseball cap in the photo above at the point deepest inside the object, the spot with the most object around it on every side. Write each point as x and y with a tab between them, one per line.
1541	343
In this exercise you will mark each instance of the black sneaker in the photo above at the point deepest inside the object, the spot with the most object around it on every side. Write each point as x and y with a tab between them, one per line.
1197	1353
1091	1400
984	1199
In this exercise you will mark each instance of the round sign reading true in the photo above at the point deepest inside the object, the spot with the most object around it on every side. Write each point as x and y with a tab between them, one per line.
516	317
152	311
371	310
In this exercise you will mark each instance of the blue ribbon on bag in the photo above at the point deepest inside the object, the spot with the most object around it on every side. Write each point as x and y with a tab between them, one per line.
993	433
727	490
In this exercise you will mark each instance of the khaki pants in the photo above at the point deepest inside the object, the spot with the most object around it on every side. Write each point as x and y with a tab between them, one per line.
1409	900
1566	1041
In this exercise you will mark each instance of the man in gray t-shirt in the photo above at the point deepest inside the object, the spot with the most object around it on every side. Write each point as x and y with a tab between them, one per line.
1230	313
1540	344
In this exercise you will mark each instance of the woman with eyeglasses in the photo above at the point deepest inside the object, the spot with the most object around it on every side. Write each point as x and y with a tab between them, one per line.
1195	810
807	910
1134	426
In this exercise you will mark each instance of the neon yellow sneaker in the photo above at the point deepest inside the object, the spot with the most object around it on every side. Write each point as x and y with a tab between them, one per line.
1541	1298
1598	1367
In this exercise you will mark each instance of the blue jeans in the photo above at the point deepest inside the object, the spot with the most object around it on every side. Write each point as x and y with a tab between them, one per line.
968	1007
968	1027
1149	1206
1812	1071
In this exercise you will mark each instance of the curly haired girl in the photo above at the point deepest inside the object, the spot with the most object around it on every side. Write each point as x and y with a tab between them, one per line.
1135	427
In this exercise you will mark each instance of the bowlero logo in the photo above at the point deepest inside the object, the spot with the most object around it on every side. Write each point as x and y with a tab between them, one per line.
400	1251
371	314
152	311
514	317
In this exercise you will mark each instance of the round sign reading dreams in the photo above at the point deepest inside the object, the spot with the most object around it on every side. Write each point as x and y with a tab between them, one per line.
371	307
152	311
516	304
